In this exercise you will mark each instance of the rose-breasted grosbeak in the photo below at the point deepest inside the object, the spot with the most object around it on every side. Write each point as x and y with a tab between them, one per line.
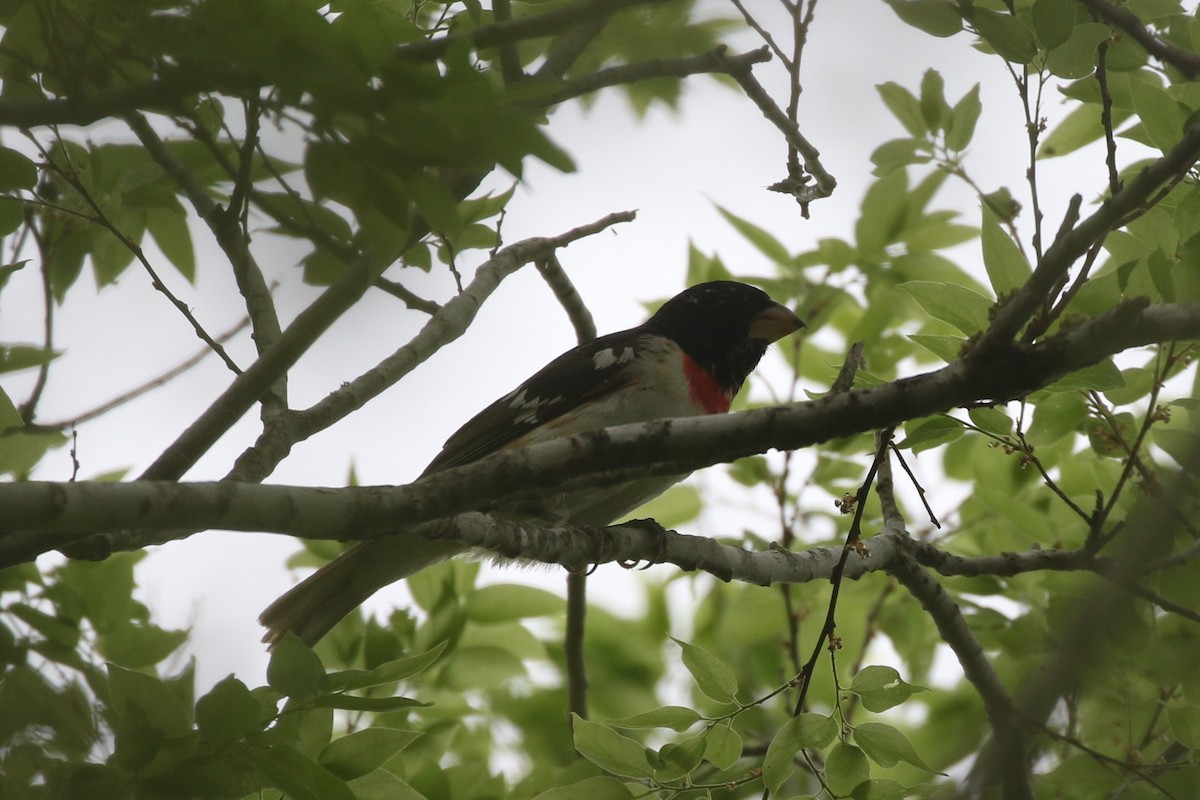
690	358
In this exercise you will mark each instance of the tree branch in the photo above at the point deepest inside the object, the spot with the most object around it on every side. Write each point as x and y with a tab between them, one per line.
612	455
1186	61
225	228
447	324
1151	525
957	634
826	183
1073	244
531	26
258	379
568	297
714	61
163	93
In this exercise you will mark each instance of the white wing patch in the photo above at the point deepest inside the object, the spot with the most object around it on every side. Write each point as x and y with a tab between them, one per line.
525	408
604	359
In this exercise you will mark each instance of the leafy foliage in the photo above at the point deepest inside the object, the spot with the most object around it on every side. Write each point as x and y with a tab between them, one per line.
362	131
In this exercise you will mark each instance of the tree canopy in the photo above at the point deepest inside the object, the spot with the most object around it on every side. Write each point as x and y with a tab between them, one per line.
1012	614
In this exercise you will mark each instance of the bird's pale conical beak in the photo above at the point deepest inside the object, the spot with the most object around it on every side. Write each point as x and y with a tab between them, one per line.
774	323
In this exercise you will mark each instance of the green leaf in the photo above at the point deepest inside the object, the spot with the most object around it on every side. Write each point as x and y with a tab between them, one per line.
807	730
677	759
764	242
161	707
992	420
20	357
303	214
1102	439
137	646
676	718
382	785
1080	127
363	751
883	789
947	348
294	669
1185	724
964	116
845	768
1160	113
1136	383
1182	446
1006	265
484	667
1005	34
905	107
676	506
23	449
1056	416
436	204
934	109
12	216
17	171
898	153
1103	376
1052	21
228	712
349	702
298	776
712	677
170	231
886	746
1076	57
934	232
9	416
601	787
485	207
506	602
751	471
884	212
929	432
610	750
959	306
723	746
880	688
936	17
59	631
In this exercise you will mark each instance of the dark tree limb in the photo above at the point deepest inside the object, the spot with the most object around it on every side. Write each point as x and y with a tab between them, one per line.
531	26
714	61
607	456
1186	61
1006	727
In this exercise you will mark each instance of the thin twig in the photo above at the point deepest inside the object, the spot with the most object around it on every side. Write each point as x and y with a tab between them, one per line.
1186	61
764	34
1106	119
568	297
825	183
714	61
69	175
153	383
853	540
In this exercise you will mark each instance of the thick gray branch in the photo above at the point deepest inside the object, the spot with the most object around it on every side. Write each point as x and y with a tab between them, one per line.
666	446
447	324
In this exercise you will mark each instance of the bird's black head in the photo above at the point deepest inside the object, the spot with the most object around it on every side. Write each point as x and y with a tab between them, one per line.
725	327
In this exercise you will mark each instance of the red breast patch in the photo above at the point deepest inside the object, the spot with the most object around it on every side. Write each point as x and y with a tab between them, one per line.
704	389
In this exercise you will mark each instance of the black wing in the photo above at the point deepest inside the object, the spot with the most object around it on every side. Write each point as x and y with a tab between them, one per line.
585	373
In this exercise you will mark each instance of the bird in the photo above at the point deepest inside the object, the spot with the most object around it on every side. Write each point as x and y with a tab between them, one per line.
690	358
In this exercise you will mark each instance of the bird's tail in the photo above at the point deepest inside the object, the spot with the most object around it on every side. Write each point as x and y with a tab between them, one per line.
312	607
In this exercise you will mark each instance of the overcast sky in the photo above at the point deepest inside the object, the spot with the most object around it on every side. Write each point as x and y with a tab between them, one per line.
672	167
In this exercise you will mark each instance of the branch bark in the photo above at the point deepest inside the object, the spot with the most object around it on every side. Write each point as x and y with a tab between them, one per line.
605	456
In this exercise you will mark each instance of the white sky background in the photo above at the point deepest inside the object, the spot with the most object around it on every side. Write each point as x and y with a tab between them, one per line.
671	167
